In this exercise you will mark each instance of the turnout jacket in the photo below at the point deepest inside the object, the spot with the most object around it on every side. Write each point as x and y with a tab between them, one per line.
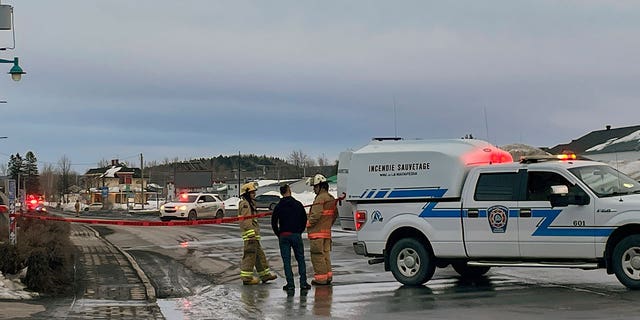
249	228
321	216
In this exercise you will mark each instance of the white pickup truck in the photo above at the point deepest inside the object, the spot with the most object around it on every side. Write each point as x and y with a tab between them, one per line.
422	204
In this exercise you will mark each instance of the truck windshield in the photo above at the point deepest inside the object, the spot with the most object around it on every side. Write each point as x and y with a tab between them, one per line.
606	181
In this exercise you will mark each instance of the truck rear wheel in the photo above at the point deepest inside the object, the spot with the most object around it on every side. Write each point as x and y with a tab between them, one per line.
467	271
626	261
411	262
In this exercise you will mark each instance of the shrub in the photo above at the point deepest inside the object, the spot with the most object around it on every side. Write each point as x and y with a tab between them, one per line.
45	248
9	262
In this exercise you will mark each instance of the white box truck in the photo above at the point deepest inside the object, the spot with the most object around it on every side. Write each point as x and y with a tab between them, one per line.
422	204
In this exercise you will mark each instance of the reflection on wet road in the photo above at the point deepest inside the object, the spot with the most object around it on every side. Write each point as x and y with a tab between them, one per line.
345	301
497	296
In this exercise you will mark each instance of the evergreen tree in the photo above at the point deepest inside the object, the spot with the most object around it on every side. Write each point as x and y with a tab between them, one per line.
31	170
16	166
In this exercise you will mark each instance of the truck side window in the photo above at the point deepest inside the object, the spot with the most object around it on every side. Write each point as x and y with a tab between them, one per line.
539	185
497	186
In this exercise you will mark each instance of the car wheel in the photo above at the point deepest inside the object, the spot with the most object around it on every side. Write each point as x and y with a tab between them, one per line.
219	214
467	271
272	206
411	262
86	209
192	215
626	261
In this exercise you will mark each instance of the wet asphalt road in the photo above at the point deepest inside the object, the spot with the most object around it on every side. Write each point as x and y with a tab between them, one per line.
195	271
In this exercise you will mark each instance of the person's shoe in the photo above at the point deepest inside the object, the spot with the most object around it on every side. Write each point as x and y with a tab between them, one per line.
289	287
268	277
329	280
250	281
318	283
305	286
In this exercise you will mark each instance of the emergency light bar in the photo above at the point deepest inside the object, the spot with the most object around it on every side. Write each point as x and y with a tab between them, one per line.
541	158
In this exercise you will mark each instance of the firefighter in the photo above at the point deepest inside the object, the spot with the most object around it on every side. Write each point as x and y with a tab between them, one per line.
253	256
322	215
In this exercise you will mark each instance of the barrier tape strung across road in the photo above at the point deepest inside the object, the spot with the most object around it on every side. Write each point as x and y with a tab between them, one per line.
146	223
141	223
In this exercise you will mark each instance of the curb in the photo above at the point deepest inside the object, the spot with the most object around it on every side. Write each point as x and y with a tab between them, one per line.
151	291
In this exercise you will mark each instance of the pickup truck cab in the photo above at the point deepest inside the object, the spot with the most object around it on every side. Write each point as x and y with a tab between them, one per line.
476	213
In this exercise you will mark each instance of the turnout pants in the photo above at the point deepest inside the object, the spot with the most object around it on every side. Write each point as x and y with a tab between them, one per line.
253	256
321	259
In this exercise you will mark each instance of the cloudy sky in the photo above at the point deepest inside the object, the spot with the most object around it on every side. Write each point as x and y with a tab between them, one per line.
200	78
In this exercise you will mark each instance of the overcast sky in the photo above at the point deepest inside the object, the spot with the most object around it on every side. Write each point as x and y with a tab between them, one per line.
188	79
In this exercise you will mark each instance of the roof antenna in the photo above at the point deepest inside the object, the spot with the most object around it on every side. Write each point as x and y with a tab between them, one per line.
486	123
395	118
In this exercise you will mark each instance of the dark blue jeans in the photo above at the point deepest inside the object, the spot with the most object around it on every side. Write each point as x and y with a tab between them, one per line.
288	242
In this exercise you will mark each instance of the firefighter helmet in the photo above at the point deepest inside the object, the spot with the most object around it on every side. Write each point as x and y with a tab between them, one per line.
248	187
317	179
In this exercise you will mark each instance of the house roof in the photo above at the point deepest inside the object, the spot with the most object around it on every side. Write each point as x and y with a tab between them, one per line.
114	171
603	141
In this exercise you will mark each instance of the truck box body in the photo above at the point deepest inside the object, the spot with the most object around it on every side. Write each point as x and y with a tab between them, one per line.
414	169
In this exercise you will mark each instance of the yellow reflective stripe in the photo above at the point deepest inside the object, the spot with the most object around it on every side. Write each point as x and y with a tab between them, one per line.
249	232
246	273
264	272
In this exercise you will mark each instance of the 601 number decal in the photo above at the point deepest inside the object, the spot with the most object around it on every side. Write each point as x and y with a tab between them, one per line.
579	223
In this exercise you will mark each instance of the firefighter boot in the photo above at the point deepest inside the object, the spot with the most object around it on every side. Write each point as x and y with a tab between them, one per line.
268	277
319	283
250	280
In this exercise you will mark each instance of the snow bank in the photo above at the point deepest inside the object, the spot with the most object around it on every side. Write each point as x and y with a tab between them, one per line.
12	289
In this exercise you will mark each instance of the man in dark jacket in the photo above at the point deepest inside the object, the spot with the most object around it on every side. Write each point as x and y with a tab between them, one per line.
288	221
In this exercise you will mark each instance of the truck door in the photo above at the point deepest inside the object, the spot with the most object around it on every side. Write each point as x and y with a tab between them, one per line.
555	232
490	214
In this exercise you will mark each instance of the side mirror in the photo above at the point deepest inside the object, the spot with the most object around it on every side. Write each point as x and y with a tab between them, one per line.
560	197
200	201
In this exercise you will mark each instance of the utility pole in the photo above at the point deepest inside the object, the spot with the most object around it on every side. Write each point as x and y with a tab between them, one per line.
142	179
238	174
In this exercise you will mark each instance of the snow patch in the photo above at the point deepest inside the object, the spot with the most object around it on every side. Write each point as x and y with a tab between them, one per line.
635	136
12	289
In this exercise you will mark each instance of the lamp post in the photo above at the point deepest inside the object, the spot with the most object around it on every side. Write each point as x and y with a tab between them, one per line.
16	72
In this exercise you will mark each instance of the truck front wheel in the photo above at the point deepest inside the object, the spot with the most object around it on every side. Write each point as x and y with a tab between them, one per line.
467	271
626	261
411	262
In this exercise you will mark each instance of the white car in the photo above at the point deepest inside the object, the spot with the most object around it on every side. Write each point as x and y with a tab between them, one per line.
192	206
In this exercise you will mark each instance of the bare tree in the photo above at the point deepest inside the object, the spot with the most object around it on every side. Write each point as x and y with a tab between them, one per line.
48	181
298	158
3	169
322	160
103	163
64	165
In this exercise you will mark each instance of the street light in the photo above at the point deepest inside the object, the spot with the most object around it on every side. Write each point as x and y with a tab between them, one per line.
16	72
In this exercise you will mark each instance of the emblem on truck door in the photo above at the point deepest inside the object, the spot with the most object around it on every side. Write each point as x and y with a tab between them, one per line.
498	217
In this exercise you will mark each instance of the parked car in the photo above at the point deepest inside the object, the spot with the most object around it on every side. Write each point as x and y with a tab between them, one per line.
93	207
267	201
192	206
